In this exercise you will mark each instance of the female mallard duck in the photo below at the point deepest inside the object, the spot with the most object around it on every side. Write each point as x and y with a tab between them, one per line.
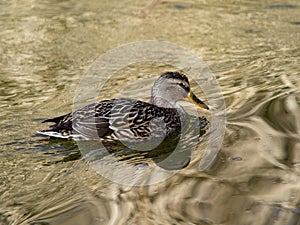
129	119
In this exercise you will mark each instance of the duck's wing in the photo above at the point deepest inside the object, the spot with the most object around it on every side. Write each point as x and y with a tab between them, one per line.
92	121
109	119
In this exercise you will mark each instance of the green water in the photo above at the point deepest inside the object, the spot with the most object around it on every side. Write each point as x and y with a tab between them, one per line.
253	49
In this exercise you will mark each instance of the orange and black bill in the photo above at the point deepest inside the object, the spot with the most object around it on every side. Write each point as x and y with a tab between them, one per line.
196	101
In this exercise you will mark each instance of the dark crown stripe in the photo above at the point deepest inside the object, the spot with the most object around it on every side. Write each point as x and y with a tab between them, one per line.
175	75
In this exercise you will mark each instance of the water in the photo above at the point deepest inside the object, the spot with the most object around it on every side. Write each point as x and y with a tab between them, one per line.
253	49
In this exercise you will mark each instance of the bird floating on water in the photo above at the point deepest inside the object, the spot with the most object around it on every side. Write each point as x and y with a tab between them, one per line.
130	119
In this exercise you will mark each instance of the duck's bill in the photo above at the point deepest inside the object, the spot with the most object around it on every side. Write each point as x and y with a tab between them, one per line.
196	101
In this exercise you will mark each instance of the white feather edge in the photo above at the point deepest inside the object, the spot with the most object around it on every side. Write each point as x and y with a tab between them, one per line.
75	137
57	135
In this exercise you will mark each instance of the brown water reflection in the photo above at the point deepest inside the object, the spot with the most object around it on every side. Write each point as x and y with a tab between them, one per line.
253	49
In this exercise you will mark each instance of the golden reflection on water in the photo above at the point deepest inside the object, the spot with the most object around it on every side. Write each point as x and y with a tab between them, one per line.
253	49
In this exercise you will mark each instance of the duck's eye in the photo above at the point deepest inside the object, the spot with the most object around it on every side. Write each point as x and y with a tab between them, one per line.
181	85
187	88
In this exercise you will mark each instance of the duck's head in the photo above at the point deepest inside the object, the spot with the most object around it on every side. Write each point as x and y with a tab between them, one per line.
171	87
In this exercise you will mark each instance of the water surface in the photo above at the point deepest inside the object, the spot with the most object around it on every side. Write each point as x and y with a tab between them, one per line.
252	47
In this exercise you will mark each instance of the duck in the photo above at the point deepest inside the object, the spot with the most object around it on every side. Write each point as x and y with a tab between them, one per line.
124	119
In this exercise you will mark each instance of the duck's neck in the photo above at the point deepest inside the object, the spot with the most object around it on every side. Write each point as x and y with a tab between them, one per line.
163	102
160	98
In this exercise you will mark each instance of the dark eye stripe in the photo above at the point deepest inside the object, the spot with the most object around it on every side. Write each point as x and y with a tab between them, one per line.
186	88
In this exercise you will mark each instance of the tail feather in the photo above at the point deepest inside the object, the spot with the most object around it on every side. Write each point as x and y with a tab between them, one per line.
55	119
62	127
